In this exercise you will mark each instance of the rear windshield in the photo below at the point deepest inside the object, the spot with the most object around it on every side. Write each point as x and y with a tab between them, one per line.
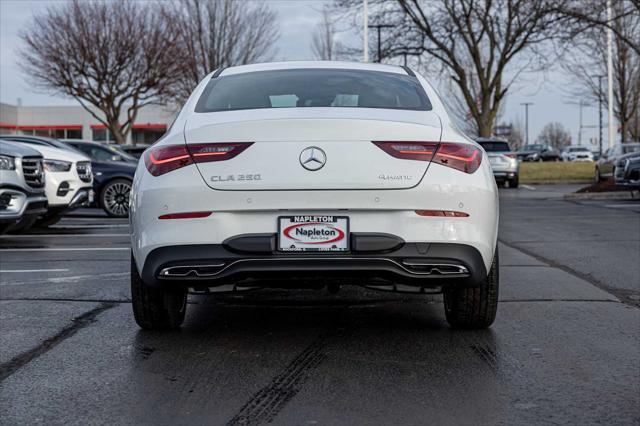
578	149
495	146
301	88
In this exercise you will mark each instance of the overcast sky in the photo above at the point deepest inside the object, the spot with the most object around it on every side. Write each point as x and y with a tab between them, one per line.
297	19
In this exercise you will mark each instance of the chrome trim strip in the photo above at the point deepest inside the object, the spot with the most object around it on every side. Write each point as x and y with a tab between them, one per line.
164	273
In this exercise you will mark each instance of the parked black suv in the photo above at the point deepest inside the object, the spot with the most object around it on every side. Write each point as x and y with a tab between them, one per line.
113	171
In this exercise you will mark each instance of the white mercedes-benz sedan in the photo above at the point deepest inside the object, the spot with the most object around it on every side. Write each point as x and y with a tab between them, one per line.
314	175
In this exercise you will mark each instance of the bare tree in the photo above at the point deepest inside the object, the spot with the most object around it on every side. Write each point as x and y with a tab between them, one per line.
480	43
324	44
554	134
112	57
219	33
586	58
584	15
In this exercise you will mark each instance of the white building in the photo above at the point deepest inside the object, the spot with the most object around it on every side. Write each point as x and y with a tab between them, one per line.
74	122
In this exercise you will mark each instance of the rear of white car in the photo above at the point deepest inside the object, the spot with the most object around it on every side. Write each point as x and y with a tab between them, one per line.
305	174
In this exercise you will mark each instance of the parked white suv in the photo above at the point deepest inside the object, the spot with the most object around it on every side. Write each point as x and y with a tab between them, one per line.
22	197
69	179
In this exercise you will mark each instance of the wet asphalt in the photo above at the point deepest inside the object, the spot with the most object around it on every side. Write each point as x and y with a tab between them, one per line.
565	347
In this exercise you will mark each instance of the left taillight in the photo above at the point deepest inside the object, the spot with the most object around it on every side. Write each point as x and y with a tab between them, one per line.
165	158
459	156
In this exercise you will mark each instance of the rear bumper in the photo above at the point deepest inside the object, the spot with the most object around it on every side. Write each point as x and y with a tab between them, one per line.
504	175
253	257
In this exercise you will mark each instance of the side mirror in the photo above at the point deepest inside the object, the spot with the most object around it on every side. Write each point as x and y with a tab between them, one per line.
116	158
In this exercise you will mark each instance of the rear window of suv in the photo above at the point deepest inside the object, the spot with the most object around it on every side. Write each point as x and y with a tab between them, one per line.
325	88
495	146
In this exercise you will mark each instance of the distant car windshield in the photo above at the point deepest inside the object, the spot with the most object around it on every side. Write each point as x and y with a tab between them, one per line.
102	152
495	146
578	149
629	148
299	88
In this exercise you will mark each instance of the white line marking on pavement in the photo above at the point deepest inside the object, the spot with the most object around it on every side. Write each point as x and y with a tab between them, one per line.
622	206
529	187
32	270
69	280
69	249
10	237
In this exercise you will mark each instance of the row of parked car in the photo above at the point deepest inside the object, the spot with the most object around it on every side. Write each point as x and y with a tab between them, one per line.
42	178
620	163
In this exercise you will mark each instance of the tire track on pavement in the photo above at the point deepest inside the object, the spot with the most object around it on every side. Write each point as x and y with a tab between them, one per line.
78	323
265	404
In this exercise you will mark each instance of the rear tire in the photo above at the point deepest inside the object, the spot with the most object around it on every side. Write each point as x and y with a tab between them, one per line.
156	309
24	224
474	308
514	181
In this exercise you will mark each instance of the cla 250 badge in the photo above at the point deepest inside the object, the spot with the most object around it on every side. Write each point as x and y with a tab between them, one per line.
236	178
313	233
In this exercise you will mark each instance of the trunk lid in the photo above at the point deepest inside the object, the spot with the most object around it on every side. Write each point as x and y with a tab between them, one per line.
284	139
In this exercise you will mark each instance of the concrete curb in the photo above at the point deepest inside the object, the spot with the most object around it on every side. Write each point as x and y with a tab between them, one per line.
613	195
556	182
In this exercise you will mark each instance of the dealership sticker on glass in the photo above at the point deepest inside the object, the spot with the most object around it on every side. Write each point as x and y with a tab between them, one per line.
313	233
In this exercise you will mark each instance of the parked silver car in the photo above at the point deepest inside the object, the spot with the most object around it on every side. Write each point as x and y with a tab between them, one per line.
503	161
612	160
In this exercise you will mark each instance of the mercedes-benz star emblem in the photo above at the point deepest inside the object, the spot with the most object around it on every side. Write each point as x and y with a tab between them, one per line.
313	158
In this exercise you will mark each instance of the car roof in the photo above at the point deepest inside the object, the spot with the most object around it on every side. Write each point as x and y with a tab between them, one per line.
290	65
17	150
38	140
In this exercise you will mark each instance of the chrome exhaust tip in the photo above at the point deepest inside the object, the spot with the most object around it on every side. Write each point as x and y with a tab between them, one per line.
195	271
436	268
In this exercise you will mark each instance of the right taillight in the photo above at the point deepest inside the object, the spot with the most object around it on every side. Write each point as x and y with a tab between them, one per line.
459	156
165	158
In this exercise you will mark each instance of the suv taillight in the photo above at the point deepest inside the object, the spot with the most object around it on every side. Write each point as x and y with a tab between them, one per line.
459	156
165	158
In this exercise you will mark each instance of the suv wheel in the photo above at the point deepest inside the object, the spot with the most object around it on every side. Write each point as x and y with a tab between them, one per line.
514	181
474	308
156	309
114	198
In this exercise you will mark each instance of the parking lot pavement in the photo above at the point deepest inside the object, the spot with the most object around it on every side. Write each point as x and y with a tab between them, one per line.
565	347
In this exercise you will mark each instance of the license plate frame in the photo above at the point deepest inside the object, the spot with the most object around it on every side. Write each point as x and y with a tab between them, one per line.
286	244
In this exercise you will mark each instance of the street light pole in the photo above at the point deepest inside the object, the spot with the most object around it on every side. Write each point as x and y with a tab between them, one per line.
610	72
365	36
526	122
379	27
600	113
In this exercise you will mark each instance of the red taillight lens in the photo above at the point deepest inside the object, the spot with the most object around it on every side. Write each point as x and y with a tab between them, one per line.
460	156
511	155
185	215
409	150
163	159
441	213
